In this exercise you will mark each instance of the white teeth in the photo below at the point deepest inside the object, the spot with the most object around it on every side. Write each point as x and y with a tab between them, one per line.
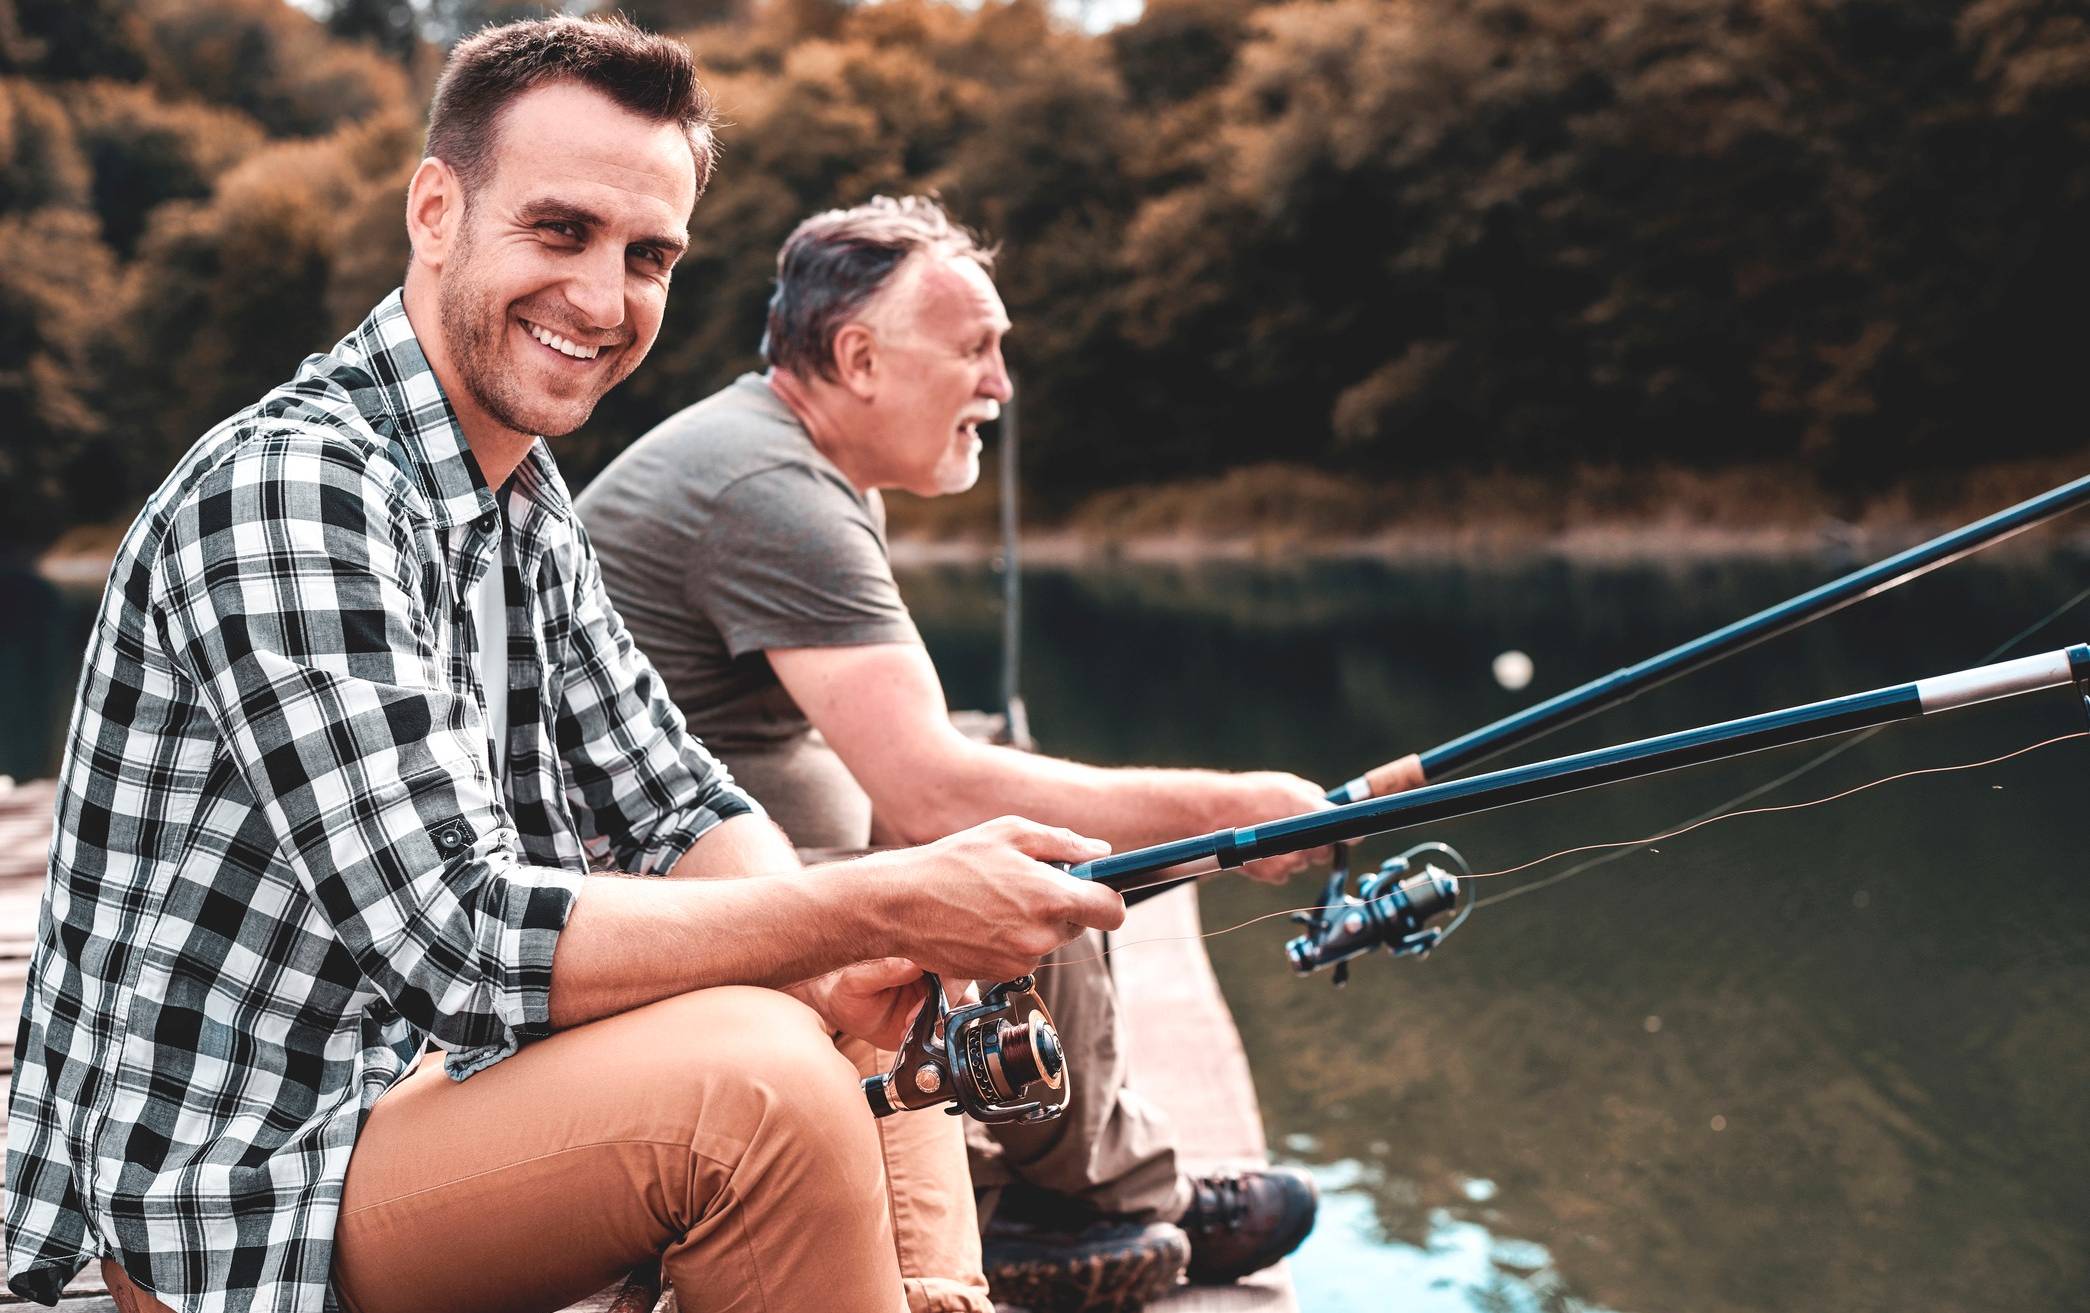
560	344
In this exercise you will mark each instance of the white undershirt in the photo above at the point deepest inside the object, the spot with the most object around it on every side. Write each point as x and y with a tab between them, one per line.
490	603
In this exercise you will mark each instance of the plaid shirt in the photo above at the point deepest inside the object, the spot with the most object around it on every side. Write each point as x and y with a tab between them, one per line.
281	862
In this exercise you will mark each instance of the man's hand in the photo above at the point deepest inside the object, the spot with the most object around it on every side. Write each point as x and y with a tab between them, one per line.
1258	796
983	905
872	1001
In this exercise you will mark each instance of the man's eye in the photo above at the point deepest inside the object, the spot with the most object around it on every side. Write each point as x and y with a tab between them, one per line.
648	255
561	228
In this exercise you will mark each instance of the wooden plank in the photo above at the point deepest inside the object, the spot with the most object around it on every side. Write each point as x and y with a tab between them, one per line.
1187	1056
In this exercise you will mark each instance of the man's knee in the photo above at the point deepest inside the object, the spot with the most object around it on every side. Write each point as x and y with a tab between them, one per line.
758	1067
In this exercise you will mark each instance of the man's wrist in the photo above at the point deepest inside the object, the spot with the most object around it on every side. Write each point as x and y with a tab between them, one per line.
856	902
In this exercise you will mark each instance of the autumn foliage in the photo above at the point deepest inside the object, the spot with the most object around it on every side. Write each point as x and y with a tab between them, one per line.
1380	237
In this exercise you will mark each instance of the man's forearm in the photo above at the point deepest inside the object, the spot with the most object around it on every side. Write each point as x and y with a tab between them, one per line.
632	940
1128	806
981	904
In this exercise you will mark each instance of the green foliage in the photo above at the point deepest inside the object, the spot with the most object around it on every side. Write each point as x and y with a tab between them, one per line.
1388	238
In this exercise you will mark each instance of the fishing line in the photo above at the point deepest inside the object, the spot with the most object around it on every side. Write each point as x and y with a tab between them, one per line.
1627	844
1615	851
1769	786
1752	811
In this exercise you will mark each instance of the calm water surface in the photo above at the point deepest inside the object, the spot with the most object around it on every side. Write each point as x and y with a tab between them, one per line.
1824	1059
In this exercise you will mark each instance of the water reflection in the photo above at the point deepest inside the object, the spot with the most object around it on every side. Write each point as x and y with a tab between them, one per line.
1824	1059
1827	1059
1450	1260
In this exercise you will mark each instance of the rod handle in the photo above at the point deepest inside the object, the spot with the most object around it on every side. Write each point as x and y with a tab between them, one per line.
1393	777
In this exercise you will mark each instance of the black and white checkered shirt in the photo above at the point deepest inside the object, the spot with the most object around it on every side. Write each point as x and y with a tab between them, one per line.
281	860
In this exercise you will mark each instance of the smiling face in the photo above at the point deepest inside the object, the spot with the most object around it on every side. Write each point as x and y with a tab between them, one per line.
553	276
939	326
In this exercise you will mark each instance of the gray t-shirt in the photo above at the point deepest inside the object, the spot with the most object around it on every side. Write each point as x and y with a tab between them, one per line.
723	533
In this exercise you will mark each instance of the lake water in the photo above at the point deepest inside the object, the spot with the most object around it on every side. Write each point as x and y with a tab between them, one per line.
1822	1059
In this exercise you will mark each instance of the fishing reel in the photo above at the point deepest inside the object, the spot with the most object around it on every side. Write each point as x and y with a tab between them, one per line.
997	1060
1400	909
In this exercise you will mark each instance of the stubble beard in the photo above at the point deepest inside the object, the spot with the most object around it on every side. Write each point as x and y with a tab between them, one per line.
475	325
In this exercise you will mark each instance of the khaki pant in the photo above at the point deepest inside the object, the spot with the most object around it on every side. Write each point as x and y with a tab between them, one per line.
1111	1149
720	1133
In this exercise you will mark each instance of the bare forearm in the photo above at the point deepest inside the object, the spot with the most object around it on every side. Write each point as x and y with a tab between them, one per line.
981	904
882	707
967	783
631	941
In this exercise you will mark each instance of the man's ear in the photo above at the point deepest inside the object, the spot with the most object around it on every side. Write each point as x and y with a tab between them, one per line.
856	360
434	211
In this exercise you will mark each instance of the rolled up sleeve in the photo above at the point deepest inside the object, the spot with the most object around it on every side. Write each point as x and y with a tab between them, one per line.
641	785
288	593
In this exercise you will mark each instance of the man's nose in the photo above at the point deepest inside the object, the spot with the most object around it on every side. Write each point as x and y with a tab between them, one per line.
595	288
998	384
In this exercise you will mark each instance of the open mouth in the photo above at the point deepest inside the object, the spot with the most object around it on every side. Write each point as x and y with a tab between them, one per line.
969	423
565	346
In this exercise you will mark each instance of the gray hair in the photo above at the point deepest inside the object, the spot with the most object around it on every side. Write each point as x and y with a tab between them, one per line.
833	264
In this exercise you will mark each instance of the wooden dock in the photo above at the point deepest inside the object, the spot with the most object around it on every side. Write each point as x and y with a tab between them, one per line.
1188	1053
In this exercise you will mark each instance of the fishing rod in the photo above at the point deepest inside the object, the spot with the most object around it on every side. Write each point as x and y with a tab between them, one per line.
1402	911
1000	1059
1629	682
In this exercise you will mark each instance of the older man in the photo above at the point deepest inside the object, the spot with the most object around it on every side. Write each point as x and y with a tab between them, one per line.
743	542
358	722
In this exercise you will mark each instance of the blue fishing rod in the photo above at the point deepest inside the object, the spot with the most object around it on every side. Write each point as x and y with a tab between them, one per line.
1622	685
1403	911
999	1059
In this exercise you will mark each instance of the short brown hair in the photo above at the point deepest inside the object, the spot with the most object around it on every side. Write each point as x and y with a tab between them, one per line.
834	263
652	76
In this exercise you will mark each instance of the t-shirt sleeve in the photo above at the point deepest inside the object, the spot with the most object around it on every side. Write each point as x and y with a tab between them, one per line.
788	559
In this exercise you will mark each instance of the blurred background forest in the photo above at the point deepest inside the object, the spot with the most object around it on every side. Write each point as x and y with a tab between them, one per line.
1375	240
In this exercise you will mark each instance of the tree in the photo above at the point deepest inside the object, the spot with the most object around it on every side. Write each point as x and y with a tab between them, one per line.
40	160
225	294
393	26
73	38
143	151
270	62
53	286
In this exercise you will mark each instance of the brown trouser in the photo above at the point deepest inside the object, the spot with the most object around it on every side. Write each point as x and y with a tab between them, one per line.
1111	1149
720	1133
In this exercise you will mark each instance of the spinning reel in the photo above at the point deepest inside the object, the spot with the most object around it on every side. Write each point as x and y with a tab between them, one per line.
1400	909
997	1060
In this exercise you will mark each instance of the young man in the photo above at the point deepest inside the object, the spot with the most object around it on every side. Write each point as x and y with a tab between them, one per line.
357	722
743	542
